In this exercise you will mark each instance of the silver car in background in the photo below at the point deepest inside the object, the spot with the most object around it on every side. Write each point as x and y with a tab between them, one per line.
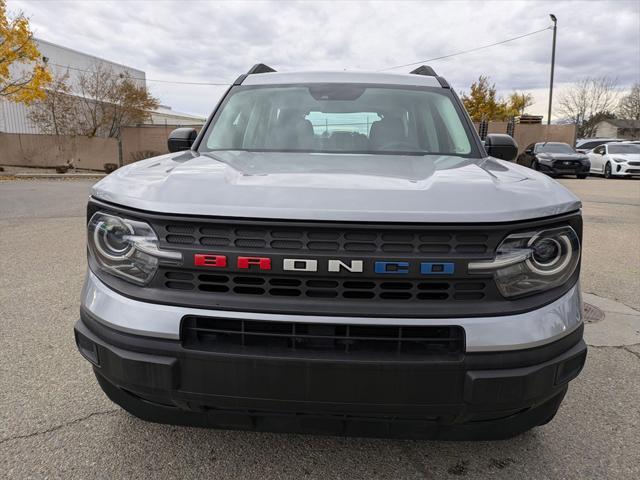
584	145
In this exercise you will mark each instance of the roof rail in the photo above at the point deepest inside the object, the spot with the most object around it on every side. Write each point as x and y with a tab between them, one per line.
260	68
424	70
430	72
257	68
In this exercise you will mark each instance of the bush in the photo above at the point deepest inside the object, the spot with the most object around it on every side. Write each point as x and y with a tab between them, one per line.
110	167
144	154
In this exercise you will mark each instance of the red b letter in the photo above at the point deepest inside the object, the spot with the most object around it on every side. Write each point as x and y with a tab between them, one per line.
202	260
260	262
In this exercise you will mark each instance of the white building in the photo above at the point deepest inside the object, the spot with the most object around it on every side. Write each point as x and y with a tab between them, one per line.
165	115
14	116
618	128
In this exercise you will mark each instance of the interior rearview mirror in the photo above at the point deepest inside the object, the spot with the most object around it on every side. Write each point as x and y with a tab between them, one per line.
502	146
181	139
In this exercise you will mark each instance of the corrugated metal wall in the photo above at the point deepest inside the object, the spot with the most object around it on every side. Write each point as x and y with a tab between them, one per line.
59	58
14	118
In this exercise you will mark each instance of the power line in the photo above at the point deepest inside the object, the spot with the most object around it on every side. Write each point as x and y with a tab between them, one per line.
178	82
68	67
466	51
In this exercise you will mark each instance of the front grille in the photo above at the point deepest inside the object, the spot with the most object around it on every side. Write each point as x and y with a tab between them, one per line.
635	164
326	240
446	292
259	337
322	292
327	287
566	164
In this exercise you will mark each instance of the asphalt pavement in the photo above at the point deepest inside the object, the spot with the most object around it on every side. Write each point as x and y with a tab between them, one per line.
55	422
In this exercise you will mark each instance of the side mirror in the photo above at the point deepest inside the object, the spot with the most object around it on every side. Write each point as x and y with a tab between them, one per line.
181	139
502	146
529	152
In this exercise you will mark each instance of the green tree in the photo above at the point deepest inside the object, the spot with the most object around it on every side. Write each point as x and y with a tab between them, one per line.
23	73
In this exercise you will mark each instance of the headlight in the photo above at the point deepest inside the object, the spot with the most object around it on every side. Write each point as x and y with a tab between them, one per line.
531	262
126	248
619	160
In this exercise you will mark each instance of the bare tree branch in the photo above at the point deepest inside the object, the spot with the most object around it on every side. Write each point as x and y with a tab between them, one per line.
629	106
586	99
103	103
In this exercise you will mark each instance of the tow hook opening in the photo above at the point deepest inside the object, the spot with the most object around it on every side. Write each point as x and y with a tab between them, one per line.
88	349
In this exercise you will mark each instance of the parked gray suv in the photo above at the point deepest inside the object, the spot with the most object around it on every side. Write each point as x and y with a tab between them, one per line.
335	253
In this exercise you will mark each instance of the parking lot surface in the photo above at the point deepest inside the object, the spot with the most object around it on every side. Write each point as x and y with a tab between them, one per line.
55	422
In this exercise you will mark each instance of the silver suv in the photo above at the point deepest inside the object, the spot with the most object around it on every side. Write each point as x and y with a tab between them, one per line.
335	253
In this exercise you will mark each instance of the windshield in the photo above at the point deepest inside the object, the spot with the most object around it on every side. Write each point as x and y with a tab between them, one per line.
339	118
622	149
554	148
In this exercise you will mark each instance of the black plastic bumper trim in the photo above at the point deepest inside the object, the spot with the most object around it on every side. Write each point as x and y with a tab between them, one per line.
162	372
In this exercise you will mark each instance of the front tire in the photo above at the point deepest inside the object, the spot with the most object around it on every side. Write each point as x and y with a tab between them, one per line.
607	170
582	176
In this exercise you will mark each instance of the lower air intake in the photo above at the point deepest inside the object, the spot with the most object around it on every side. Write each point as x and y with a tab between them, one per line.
268	337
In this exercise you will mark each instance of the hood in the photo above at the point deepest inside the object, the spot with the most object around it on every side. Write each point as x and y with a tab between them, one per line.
353	187
630	157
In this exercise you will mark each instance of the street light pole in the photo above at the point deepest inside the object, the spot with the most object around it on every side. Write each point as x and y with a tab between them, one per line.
553	61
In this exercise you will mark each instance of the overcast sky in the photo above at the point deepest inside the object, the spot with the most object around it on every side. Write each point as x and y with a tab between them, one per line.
216	41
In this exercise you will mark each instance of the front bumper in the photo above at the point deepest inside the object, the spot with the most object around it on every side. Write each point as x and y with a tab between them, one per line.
625	169
482	334
558	167
479	396
475	395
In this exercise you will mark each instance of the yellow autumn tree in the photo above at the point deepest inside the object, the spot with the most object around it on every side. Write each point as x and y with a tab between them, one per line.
23	73
482	102
518	103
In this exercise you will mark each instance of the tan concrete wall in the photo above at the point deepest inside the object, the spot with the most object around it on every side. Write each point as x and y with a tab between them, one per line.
145	141
28	150
139	142
526	134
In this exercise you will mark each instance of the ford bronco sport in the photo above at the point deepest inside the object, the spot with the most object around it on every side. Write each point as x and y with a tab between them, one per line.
335	253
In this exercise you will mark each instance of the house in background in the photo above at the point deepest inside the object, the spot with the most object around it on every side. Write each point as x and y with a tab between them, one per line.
618	128
14	117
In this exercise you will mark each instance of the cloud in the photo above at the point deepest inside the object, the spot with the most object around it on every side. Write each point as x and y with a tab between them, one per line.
202	41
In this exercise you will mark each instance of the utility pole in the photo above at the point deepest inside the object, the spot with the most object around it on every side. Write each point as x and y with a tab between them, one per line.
553	61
